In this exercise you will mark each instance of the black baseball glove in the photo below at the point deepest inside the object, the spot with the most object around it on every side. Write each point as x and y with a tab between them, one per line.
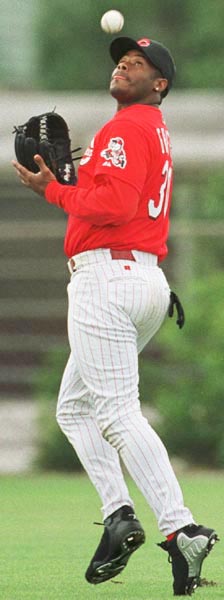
47	135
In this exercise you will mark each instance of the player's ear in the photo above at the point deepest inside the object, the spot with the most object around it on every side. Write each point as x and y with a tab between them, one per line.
160	84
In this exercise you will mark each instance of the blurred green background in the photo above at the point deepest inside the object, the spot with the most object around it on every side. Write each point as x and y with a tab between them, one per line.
59	45
54	53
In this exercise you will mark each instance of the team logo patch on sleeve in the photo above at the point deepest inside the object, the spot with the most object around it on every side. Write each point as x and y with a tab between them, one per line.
115	153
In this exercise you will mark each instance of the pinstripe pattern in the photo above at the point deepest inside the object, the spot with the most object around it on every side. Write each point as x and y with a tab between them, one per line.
76	417
113	313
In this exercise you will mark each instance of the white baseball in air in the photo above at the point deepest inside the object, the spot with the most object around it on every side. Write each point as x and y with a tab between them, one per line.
112	21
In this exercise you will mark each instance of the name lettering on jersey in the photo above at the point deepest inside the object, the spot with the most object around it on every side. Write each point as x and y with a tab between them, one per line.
115	153
88	153
164	140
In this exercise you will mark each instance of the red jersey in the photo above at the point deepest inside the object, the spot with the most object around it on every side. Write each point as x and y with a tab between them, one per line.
122	198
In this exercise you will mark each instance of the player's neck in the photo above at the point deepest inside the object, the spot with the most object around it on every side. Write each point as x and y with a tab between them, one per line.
121	105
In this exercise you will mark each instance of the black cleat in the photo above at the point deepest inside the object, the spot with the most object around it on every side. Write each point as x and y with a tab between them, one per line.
123	534
187	551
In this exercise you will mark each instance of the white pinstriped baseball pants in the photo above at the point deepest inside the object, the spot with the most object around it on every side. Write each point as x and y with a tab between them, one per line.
115	307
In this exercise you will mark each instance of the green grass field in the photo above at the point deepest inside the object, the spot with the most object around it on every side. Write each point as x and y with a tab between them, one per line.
47	538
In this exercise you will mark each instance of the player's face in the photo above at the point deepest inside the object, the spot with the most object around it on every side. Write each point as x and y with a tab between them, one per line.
134	79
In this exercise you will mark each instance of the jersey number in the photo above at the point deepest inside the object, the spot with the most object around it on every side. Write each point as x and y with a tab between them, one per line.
154	211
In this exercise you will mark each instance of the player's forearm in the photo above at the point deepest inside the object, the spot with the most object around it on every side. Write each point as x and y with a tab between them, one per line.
105	203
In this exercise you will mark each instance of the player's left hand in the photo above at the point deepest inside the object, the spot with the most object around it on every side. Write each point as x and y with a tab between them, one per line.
36	181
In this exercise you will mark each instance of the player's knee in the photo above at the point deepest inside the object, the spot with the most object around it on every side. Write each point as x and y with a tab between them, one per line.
61	418
62	411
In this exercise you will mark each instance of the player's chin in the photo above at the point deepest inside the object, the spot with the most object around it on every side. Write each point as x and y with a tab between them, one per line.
118	90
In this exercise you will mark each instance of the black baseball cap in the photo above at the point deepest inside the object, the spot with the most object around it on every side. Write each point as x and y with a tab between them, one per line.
158	55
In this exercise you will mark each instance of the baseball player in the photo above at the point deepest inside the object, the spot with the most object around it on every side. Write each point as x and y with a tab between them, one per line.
116	238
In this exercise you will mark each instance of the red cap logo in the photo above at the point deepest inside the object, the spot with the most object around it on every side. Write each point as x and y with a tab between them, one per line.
144	42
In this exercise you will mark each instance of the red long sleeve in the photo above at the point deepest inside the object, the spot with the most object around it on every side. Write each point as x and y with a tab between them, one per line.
104	203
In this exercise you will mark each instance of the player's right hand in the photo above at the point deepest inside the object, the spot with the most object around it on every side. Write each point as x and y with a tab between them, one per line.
36	181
